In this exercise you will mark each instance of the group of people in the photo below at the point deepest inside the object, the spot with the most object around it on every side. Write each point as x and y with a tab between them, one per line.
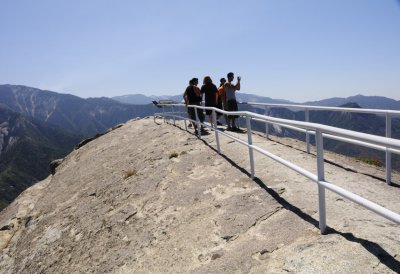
223	98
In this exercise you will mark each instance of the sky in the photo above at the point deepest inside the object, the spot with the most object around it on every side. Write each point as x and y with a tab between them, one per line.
298	50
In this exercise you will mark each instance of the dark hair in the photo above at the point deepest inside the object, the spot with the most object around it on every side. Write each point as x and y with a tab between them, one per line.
222	80
230	74
195	80
207	80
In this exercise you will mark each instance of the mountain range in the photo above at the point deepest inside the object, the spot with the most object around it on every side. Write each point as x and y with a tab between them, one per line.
372	102
86	116
138	99
38	126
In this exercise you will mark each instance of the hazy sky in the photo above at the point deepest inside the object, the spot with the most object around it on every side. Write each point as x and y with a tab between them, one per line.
297	50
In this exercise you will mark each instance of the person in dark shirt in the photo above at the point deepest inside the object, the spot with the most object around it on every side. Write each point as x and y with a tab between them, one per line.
192	96
210	92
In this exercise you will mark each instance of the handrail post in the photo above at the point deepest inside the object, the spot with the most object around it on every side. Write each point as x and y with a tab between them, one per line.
163	112
307	119
214	116
184	120
321	177
266	123
388	153
173	114
197	122
250	142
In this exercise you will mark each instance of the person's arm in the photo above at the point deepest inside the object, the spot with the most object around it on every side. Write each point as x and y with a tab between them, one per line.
237	86
185	97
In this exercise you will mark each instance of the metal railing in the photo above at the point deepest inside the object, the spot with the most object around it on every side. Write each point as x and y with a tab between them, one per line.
320	131
388	124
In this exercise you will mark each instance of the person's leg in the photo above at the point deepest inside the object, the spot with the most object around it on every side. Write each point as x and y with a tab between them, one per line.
192	116
230	123
234	108
200	113
234	123
229	117
218	114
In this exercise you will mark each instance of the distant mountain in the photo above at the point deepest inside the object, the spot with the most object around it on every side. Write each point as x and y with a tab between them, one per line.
137	99
373	102
26	149
245	97
86	116
141	99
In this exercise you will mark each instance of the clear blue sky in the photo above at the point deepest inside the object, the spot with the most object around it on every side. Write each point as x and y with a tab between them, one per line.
297	50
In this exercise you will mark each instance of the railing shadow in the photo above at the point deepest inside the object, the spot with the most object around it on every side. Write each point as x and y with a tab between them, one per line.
375	249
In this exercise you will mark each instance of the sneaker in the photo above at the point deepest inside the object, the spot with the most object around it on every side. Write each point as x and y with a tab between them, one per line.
236	129
219	123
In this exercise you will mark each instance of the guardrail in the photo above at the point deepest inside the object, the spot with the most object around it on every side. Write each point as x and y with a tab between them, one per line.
320	131
387	113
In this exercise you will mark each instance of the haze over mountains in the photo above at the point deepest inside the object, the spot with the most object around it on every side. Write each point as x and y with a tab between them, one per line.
38	126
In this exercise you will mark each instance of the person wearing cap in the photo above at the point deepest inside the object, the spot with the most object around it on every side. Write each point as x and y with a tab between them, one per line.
230	100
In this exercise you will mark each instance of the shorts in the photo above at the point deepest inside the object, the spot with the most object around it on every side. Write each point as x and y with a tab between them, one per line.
231	105
208	111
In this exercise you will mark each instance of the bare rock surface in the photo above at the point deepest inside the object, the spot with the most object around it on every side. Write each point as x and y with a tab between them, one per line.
154	198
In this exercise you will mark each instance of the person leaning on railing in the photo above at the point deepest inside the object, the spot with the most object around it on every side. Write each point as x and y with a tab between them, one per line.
192	96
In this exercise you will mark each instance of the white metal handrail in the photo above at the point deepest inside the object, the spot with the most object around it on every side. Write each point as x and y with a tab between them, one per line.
388	114
320	131
377	147
359	110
